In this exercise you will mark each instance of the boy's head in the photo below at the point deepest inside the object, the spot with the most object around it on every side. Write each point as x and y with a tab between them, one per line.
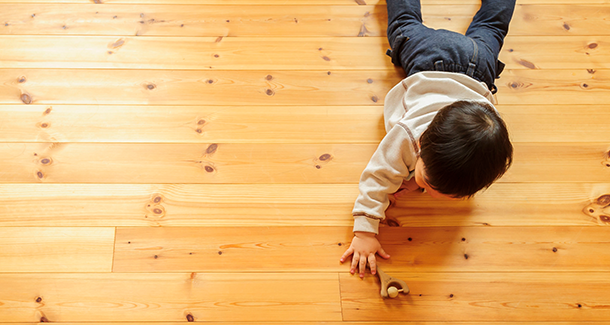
465	149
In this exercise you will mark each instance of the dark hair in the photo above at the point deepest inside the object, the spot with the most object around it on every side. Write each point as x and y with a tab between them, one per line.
465	149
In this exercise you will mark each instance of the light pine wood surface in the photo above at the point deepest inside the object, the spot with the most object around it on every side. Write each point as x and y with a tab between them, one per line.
175	161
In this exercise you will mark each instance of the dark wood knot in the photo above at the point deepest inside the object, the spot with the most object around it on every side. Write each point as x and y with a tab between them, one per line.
604	200
26	98
527	64
211	149
325	157
46	161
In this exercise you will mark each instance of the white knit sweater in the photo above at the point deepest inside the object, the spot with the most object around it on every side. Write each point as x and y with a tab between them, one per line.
409	108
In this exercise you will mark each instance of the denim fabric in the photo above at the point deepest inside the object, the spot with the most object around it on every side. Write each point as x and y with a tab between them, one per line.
417	48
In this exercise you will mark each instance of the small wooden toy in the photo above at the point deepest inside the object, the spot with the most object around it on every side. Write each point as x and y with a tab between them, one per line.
390	287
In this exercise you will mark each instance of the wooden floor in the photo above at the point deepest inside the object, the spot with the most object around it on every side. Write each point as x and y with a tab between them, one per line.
174	161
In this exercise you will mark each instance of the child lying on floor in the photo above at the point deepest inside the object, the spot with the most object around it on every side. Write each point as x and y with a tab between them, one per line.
443	133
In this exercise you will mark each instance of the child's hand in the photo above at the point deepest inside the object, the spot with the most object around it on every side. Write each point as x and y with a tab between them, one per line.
363	247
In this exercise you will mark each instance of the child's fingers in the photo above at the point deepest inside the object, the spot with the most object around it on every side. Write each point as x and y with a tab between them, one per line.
347	253
355	260
373	264
362	265
382	253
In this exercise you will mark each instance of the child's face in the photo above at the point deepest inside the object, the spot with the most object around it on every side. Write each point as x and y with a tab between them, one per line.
420	179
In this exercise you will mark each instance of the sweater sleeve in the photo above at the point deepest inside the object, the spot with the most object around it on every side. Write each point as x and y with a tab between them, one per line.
391	163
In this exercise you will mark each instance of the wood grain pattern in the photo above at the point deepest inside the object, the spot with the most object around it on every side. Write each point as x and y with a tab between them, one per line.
556	87
552	18
56	250
573	162
182	205
508	204
167	87
449	297
301	205
265	124
175	161
257	249
280	20
196	53
431	249
556	52
531	18
556	123
194	20
273	53
169	297
192	124
150	87
260	163
182	163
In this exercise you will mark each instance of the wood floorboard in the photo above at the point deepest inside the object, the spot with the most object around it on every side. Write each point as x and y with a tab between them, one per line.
170	297
196	53
147	19
265	124
168	87
509	204
172	161
268	53
202	124
418	250
280	20
300	205
50	249
557	123
556	87
261	163
448	297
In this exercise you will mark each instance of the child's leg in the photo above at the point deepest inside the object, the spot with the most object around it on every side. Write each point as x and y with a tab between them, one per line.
488	29
402	15
401	11
418	48
490	24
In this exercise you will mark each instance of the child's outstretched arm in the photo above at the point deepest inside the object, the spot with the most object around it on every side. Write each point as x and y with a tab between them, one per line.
364	246
391	163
